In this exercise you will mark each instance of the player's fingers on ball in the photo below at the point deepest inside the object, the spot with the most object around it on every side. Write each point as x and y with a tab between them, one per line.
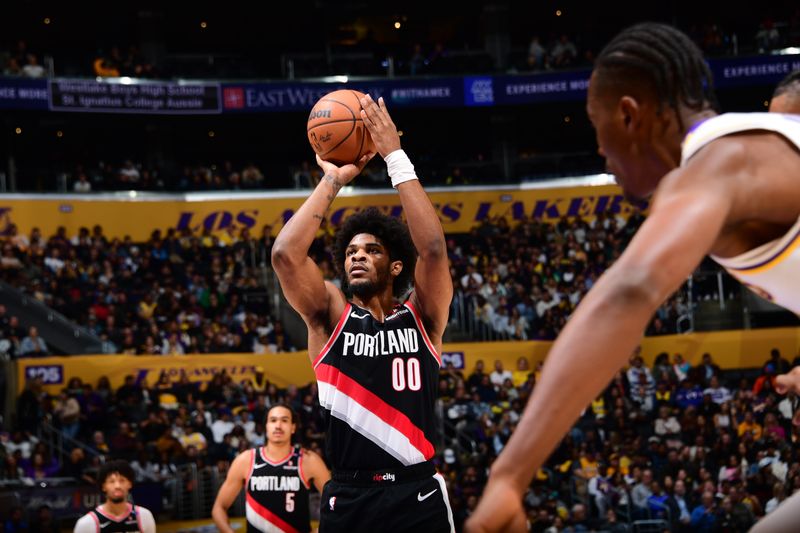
367	119
319	160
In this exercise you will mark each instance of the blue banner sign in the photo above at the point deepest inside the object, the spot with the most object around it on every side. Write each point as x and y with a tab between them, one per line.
123	95
21	93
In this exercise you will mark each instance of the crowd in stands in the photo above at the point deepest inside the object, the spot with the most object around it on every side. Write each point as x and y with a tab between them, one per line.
178	292
522	281
20	60
194	291
701	449
188	293
127	175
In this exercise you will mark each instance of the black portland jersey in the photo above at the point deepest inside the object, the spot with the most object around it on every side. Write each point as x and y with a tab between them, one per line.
109	524
379	383
277	494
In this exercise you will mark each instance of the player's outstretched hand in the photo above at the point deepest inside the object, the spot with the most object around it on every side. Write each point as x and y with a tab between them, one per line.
345	173
500	509
380	126
790	382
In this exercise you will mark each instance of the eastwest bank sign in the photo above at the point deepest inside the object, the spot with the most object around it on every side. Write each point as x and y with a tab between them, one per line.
264	97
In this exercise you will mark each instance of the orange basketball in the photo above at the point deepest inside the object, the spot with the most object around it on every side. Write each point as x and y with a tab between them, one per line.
335	129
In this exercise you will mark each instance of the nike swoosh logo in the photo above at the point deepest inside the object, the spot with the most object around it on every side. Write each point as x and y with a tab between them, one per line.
356	315
421	498
260	466
104	525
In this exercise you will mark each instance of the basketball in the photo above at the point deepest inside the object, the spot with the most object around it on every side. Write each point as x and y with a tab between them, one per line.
335	129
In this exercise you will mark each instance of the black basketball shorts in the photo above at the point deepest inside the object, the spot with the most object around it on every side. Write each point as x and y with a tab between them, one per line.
412	499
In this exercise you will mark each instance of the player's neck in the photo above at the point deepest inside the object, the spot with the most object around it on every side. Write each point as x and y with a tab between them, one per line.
115	509
275	452
379	305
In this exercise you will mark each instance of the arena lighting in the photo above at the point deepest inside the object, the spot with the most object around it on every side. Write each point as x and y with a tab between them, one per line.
791	51
558	12
18	131
397	25
59	134
211	133
203	25
125	80
47	20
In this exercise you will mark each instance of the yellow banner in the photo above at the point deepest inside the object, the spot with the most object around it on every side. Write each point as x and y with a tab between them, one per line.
281	369
137	216
730	349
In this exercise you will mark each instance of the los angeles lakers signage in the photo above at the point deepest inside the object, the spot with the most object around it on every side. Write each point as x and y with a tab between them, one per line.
459	209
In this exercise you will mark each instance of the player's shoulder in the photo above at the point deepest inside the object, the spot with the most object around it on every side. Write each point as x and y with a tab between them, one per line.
306	453
86	524
144	512
243	460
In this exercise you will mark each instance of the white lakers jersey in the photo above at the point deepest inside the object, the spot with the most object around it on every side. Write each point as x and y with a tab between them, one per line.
772	270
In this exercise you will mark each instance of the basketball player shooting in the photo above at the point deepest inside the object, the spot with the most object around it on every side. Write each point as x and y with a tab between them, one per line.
376	362
276	479
725	185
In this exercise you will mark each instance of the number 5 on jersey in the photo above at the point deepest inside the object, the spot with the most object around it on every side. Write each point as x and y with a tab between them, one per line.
406	372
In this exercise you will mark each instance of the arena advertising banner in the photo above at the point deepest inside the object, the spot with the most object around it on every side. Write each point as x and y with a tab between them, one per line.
266	97
730	349
22	93
126	95
459	209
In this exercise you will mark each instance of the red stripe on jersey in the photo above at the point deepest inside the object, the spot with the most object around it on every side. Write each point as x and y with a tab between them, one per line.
335	335
300	470
96	521
269	516
139	517
425	337
372	403
252	466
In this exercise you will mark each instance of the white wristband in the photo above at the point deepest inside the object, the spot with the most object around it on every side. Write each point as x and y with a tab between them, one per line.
399	167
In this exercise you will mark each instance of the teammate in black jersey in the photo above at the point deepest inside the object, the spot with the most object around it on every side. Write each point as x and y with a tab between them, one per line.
276	480
116	515
376	362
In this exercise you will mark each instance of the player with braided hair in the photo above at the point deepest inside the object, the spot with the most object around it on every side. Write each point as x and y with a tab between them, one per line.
725	185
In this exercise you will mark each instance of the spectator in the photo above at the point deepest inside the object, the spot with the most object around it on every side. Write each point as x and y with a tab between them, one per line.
680	508
522	372
537	56
500	375
32	68
642	491
780	364
563	53
709	368
44	521
33	345
749	426
704	515
718	393
82	184
778	496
